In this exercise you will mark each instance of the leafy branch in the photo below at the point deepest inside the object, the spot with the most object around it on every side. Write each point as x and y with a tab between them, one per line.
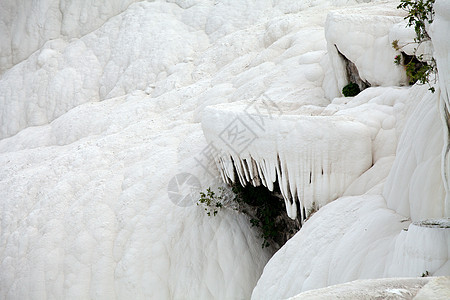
211	201
420	13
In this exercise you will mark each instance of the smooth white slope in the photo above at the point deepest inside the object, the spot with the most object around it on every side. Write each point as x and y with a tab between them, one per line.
439	33
414	187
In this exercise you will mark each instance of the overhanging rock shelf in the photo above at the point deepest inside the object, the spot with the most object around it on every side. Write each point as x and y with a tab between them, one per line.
313	158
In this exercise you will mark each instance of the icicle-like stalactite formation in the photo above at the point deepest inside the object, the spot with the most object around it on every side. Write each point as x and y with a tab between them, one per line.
313	158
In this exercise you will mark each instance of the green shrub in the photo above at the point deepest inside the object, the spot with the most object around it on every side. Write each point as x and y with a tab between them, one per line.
425	274
351	89
420	13
265	210
211	201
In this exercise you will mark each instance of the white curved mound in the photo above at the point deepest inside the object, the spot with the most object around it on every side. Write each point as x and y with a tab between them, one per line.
352	33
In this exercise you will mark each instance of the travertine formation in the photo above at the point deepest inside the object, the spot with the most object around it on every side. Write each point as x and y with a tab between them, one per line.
103	154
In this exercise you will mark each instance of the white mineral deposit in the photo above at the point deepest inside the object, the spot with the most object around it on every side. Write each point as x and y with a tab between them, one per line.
116	115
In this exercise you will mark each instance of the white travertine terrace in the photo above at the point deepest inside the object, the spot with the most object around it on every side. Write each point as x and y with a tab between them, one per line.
100	108
313	158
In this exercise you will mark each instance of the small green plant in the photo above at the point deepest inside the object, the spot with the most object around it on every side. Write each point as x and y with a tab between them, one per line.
420	13
351	89
211	201
417	70
426	274
265	210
